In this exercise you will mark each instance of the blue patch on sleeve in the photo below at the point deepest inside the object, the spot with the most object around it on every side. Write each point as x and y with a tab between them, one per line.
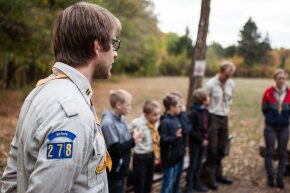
59	150
66	134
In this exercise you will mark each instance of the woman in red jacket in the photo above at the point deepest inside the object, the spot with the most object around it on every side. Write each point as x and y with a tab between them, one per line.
276	109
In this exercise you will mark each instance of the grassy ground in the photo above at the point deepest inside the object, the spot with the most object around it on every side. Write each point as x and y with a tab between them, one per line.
246	123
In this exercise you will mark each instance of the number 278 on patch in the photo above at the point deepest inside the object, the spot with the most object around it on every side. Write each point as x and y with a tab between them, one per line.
59	150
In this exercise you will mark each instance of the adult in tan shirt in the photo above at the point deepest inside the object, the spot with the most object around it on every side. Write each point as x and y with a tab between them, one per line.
220	89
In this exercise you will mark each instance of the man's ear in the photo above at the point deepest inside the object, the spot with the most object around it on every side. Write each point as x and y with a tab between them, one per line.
96	48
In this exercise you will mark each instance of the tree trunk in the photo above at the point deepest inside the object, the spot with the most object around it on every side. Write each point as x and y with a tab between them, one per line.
30	74
11	68
199	50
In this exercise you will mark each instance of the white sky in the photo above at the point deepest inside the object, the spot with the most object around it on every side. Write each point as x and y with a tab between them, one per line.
227	18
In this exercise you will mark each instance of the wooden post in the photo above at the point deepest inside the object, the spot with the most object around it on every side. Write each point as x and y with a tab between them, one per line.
195	79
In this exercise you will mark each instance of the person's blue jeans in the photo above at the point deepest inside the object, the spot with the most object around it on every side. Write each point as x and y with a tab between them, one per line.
282	136
169	178
179	169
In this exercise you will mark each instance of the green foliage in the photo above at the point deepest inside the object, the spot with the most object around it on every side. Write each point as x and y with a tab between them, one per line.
26	33
252	47
213	58
26	38
176	59
181	44
256	70
26	43
218	49
139	46
175	65
230	51
252	56
283	56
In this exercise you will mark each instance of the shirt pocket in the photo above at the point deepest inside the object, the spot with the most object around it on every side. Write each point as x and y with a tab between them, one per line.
217	95
229	95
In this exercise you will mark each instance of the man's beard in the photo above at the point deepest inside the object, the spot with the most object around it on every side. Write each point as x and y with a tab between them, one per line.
102	72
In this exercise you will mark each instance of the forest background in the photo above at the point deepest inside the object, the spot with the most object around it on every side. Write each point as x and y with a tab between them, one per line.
26	53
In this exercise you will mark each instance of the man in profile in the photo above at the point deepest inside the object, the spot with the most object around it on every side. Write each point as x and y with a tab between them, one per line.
58	145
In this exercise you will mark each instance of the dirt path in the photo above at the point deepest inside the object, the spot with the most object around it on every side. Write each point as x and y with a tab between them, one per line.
239	186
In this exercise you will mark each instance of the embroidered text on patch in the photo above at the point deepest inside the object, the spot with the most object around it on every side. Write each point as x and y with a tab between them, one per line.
59	150
66	134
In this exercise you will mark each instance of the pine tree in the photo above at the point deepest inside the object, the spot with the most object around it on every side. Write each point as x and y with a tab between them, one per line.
252	47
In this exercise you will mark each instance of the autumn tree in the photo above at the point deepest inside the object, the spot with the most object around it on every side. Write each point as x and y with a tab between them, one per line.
252	46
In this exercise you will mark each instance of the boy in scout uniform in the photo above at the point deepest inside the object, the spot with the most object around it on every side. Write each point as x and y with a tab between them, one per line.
58	145
146	153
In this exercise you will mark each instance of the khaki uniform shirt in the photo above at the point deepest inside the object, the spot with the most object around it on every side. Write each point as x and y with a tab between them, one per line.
146	145
221	95
58	144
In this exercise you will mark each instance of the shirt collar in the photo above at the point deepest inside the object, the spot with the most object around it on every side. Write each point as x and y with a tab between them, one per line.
78	79
143	119
112	114
218	80
198	107
282	90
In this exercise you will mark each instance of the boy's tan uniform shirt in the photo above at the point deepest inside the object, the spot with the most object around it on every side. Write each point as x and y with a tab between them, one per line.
146	145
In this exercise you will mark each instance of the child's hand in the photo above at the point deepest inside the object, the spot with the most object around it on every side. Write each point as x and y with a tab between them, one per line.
178	133
157	161
205	143
137	136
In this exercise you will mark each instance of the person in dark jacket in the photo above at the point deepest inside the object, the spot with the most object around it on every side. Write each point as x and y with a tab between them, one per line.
198	140
118	140
171	144
276	109
186	128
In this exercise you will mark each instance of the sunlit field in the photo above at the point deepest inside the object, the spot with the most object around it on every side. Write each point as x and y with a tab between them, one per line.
244	164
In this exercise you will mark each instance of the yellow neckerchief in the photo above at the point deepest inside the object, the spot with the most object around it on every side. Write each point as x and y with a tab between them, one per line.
108	161
57	74
156	140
